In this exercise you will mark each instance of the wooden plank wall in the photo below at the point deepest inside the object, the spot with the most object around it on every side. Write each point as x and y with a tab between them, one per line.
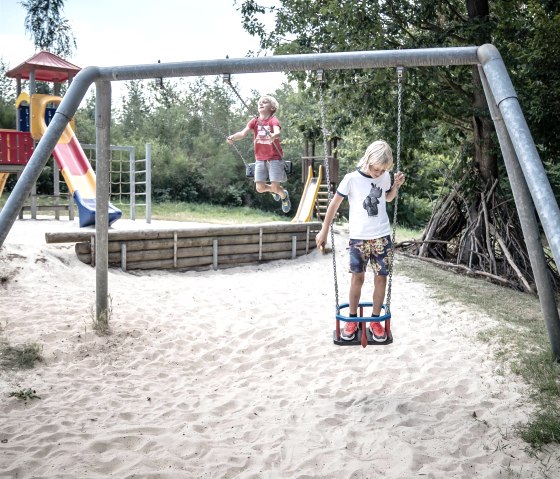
196	248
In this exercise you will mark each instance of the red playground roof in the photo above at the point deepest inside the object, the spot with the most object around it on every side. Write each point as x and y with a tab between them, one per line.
48	67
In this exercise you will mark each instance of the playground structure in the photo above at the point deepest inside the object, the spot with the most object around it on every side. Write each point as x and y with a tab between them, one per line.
34	112
131	178
315	193
531	187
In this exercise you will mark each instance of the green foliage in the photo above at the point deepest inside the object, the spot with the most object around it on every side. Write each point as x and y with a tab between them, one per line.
437	100
85	121
7	98
48	28
528	37
187	122
25	394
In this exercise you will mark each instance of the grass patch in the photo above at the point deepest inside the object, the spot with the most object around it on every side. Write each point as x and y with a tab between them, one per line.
204	213
19	357
100	324
519	338
25	394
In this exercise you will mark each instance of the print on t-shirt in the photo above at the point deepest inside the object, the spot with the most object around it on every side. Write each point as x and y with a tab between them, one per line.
371	201
263	134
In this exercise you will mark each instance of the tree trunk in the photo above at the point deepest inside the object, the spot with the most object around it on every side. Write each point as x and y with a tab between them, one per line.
485	161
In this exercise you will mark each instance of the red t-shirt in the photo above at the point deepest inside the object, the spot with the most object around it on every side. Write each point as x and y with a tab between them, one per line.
264	148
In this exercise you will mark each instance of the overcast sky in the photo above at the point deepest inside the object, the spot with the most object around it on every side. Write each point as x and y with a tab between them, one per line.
125	32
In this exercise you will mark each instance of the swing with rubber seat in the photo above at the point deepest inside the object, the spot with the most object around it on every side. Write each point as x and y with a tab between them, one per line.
363	335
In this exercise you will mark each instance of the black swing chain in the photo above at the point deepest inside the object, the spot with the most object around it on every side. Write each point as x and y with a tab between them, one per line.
226	78
320	79
400	71
220	133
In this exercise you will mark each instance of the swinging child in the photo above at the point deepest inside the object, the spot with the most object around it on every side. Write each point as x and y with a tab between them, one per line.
268	152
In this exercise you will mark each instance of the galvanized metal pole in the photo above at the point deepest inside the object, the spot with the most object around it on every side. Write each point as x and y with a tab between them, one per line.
102	193
518	131
525	210
148	185
43	151
132	183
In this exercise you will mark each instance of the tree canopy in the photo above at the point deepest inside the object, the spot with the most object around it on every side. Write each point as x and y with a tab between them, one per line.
47	26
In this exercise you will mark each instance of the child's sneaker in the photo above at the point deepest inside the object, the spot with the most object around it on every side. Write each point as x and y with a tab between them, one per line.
286	204
276	196
349	331
378	332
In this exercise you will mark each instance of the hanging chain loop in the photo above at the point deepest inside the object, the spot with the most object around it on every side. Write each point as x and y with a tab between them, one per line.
326	162
400	72
226	78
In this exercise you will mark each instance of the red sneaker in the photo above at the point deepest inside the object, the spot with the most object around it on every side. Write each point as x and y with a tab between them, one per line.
378	332
349	331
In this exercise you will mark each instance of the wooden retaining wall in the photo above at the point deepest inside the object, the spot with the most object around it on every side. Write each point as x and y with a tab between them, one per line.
196	248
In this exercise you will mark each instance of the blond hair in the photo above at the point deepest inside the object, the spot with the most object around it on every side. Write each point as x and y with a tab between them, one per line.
273	101
379	154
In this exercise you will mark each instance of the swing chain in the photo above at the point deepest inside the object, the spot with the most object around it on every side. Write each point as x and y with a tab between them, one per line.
320	80
220	133
226	78
400	71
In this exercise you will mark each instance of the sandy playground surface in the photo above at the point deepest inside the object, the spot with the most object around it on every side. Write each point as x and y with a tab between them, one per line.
233	374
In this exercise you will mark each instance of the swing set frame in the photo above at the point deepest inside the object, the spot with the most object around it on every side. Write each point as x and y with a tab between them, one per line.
530	184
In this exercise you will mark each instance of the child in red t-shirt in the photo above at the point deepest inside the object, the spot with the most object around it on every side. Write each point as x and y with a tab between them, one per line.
269	164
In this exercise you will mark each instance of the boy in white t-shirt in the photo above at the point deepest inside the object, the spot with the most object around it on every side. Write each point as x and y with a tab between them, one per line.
368	189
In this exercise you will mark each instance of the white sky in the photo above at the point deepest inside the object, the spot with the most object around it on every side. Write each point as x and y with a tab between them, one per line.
126	32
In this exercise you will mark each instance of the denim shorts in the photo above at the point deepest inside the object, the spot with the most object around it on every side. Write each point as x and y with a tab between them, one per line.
270	169
374	251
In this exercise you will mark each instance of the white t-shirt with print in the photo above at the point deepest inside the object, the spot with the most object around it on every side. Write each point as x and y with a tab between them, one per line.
366	198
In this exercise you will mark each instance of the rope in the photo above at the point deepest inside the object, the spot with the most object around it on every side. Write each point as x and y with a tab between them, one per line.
400	71
328	175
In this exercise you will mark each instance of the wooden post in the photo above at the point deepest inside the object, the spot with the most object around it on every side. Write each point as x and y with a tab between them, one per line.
34	202
92	251
56	190
123	255
175	249
70	206
215	254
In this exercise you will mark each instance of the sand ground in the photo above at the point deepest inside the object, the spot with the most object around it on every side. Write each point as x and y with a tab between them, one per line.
233	374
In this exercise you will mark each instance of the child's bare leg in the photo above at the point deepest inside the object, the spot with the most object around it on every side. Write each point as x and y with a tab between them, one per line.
379	286
277	188
261	187
273	187
356	284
